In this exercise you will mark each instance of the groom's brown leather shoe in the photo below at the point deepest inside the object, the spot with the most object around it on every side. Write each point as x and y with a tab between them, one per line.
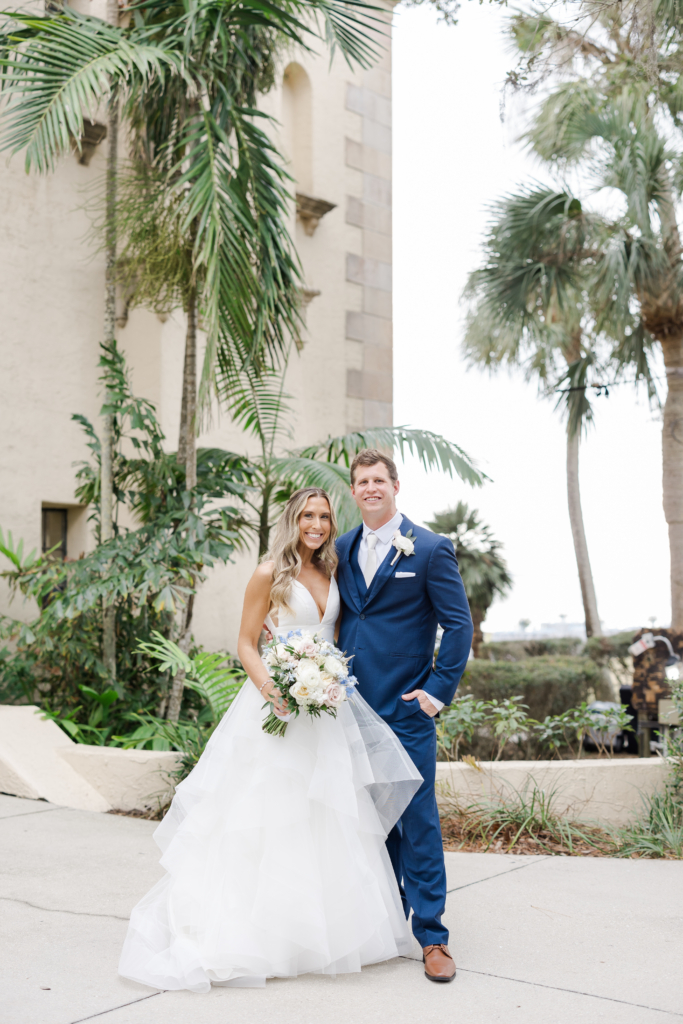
439	964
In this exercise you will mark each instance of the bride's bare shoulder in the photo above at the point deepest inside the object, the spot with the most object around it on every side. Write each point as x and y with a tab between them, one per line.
263	576
264	572
258	588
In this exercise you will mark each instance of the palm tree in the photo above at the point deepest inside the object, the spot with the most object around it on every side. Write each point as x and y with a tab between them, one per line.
483	569
615	112
530	308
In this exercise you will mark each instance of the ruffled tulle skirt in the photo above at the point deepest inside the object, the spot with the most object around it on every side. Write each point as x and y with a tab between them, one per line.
275	857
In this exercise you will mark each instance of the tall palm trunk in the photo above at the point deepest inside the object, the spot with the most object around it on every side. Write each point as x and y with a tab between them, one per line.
264	519
478	617
107	480
590	604
187	456
672	471
187	439
175	699
666	328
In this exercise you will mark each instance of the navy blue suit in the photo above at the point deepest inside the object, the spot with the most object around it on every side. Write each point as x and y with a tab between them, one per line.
390	629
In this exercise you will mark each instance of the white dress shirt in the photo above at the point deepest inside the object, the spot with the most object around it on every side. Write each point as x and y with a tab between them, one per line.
385	535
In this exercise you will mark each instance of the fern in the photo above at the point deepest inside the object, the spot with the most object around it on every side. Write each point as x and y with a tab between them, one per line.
206	673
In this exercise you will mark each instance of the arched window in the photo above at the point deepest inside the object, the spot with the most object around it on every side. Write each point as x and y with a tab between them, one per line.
297	125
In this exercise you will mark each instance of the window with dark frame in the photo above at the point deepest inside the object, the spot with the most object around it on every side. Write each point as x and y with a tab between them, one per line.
54	531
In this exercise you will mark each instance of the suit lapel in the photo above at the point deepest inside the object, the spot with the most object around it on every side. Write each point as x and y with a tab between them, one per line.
386	569
346	568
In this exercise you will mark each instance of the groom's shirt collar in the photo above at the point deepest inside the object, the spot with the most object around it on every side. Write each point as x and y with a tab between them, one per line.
384	533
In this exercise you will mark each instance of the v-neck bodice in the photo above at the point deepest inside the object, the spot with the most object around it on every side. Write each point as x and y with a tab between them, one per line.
305	613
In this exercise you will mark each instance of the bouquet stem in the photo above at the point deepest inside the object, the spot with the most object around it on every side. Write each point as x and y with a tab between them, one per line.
274	726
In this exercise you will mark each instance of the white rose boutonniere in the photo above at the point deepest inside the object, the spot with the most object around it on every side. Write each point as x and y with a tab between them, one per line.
404	545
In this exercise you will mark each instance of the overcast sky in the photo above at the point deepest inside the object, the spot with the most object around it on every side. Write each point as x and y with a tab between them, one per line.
452	157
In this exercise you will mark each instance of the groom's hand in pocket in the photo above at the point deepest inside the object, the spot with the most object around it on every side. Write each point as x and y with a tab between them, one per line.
425	703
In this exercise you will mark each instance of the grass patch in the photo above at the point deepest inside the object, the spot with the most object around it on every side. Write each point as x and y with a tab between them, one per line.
526	823
658	832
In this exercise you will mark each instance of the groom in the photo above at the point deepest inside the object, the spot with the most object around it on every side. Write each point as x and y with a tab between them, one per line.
393	599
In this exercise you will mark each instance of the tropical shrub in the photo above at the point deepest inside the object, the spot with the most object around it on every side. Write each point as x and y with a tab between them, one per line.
489	729
147	574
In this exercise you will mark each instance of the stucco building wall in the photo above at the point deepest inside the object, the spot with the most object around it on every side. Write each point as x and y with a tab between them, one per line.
335	127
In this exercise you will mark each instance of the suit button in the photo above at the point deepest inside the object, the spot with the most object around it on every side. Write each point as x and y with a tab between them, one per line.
362	615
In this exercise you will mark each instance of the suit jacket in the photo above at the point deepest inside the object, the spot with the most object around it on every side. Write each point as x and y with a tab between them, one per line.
390	627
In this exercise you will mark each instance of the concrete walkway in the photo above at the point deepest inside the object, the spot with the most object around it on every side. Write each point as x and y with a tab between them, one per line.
537	940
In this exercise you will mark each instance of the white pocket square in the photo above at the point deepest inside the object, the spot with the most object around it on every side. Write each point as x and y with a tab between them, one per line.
403	575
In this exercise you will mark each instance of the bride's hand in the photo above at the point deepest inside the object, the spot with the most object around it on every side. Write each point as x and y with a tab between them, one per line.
274	695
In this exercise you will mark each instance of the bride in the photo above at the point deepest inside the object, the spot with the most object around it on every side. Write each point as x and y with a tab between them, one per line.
273	846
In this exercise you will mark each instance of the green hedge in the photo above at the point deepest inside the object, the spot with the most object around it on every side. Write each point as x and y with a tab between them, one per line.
549	685
518	650
599	648
602	648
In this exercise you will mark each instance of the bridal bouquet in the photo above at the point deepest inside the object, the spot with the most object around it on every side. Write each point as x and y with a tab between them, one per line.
311	674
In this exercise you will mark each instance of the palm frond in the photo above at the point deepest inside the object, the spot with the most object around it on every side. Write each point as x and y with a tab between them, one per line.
351	27
206	673
218	684
258	403
56	73
232	195
432	450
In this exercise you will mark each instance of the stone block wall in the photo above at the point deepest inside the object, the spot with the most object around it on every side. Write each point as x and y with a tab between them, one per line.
369	380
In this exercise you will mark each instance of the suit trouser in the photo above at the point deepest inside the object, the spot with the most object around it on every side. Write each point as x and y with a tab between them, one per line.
414	843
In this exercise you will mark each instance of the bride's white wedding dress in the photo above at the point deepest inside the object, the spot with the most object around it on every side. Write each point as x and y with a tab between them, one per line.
274	847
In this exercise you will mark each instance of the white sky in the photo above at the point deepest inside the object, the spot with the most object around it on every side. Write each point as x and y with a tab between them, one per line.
452	157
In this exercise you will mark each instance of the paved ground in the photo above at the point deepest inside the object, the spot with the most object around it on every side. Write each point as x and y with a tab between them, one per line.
537	940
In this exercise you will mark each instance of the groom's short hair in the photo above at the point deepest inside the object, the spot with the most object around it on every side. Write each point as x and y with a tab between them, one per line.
370	457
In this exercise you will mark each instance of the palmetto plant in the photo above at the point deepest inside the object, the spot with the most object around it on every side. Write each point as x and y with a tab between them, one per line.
212	676
613	112
531	306
207	673
483	569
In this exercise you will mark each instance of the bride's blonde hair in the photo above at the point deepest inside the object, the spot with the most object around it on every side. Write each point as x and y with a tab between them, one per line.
285	543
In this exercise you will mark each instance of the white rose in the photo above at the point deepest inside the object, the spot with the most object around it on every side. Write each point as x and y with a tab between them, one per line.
303	694
308	673
403	544
336	668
